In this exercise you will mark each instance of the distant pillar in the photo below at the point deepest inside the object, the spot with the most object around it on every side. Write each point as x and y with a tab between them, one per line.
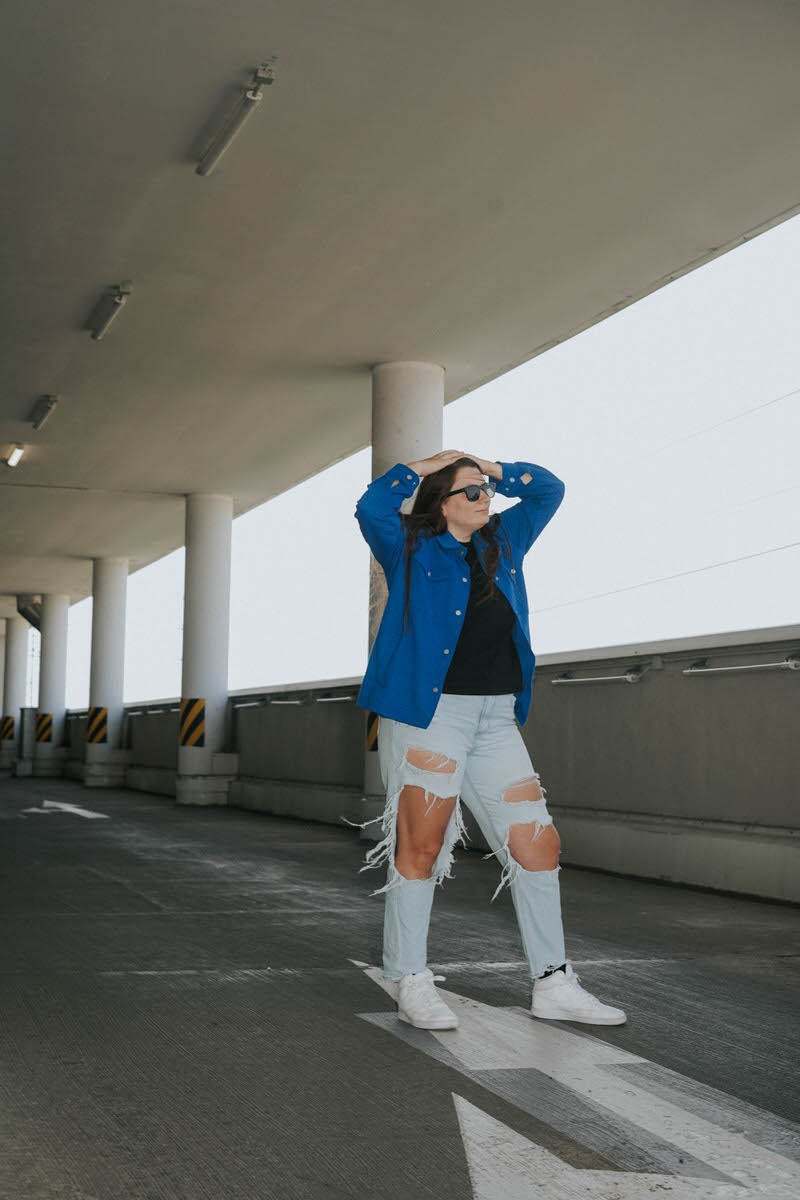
48	756
407	425
17	629
103	762
203	770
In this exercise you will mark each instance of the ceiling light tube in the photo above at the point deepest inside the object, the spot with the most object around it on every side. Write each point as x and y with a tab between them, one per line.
42	410
246	103
14	455
107	308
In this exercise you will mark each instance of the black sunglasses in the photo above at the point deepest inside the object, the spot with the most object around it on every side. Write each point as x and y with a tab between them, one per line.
473	490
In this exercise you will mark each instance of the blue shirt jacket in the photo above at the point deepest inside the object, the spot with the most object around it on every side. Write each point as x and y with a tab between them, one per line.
406	670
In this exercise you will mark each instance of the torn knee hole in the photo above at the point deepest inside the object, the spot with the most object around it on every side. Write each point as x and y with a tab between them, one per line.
429	760
527	789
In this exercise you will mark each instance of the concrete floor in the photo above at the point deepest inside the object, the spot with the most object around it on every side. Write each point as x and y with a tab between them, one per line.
183	1016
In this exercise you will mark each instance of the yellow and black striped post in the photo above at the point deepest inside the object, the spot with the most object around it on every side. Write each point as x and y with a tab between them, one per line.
373	721
7	730
44	727
97	727
193	722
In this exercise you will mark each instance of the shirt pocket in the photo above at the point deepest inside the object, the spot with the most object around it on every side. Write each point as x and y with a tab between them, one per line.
431	586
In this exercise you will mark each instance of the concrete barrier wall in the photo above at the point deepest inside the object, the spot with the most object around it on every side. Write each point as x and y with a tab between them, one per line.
689	778
718	746
315	741
154	739
76	737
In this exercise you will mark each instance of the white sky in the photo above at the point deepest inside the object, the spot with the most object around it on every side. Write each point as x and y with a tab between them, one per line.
675	425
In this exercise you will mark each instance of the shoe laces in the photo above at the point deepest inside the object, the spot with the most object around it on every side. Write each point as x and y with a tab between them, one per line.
589	999
424	985
422	979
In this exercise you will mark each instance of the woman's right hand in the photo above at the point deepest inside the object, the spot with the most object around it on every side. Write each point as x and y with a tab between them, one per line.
427	466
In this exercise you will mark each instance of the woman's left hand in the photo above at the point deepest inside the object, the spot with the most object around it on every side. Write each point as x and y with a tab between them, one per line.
486	467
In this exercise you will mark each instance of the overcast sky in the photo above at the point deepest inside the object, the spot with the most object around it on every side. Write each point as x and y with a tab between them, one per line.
675	426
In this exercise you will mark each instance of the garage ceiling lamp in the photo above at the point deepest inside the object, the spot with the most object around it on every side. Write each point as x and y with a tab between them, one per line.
13	456
246	102
107	308
41	410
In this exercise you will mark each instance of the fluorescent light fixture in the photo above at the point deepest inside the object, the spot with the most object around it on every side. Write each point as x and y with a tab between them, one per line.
263	76
107	308
41	410
14	455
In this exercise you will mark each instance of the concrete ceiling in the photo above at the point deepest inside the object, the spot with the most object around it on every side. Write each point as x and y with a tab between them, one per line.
443	180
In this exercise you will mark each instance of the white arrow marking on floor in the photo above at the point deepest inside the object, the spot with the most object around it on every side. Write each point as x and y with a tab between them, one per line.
51	806
491	1039
504	1165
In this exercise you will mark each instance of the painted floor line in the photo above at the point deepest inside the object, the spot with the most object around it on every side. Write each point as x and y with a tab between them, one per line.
522	963
53	806
510	1053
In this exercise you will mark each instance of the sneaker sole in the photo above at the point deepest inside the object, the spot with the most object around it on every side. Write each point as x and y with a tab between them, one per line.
560	1014
445	1024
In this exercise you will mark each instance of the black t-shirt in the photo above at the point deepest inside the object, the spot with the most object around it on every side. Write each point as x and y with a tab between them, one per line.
485	661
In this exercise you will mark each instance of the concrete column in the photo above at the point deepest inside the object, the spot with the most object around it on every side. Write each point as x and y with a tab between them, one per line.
104	764
16	673
407	424
203	770
48	756
407	419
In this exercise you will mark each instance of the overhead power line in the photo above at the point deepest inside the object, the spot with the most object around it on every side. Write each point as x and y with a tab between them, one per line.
727	420
648	582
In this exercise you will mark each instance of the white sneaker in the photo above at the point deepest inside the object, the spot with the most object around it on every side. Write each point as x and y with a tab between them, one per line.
418	1002
560	997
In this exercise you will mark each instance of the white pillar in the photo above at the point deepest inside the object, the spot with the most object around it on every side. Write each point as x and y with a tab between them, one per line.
203	773
16	675
407	418
103	766
48	756
407	425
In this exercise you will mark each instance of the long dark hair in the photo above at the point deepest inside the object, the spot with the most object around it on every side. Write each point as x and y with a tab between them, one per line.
426	519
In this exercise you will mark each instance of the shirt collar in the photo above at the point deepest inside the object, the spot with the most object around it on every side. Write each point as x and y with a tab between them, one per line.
448	542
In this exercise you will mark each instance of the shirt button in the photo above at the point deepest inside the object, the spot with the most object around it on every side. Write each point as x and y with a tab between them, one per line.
429	574
496	578
458	612
513	570
436	689
511	480
447	651
409	476
463	579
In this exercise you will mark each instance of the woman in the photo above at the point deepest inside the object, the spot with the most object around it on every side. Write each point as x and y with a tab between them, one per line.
450	670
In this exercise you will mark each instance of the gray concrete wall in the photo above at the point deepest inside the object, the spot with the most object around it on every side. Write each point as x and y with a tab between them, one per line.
719	747
153	739
689	778
76	735
315	741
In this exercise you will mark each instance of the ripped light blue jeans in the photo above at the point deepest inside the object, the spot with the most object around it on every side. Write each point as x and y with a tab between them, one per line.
481	735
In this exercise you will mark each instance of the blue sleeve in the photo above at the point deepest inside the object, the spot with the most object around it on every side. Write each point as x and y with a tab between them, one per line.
378	512
538	502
